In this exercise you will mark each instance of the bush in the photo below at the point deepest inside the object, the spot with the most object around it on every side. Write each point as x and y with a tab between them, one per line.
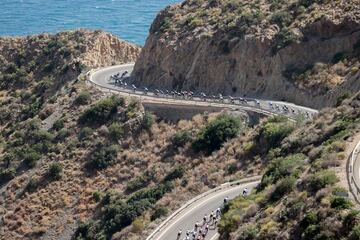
83	98
216	132
7	174
338	57
284	186
32	185
310	218
351	220
31	157
250	232
58	124
282	18
97	195
274	131
55	170
355	233
136	184
85	133
103	156
116	131
63	134
340	203
284	38
322	179
281	168
102	111
147	121
181	138
158	213
175	174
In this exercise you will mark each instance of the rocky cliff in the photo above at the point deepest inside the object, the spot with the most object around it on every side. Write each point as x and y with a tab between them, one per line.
267	49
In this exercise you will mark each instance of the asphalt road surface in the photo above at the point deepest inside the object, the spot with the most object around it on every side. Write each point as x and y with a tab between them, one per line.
195	213
102	78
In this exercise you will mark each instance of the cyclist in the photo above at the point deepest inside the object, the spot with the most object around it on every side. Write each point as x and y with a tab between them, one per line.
179	233
245	191
218	212
196	226
205	219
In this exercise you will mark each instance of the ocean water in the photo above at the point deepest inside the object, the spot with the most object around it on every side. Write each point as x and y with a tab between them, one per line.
128	19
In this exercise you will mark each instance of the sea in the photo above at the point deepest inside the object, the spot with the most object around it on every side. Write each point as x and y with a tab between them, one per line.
128	19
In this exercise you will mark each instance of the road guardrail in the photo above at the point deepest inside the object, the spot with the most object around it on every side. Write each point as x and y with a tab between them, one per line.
354	181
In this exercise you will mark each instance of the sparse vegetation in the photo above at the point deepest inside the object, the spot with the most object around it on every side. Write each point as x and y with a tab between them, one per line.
299	191
102	111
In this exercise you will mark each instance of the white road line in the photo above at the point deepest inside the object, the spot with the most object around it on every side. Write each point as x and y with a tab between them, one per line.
216	236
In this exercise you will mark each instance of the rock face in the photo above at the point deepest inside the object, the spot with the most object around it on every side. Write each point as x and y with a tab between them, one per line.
106	49
91	48
246	65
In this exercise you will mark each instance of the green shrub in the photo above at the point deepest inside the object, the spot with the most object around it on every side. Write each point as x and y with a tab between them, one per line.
310	218
32	184
7	174
232	168
97	195
286	185
216	132
55	170
322	179
141	181
83	98
85	133
340	203
102	111
250	232
58	124
282	167
147	121
63	134
31	157
181	138
103	156
311	232
43	86
284	38
275	130
338	57
351	220
282	18
116	131
158	213
178	172
355	233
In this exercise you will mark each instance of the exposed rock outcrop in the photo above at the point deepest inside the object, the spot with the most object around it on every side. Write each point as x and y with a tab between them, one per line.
253	62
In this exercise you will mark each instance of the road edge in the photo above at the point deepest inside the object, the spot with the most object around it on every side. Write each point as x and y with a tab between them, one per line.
199	197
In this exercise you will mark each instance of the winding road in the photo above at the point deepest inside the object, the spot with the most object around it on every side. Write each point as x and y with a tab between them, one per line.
193	211
102	79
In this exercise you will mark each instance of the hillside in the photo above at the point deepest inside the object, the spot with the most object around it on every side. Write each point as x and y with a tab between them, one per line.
301	195
78	163
71	155
302	51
